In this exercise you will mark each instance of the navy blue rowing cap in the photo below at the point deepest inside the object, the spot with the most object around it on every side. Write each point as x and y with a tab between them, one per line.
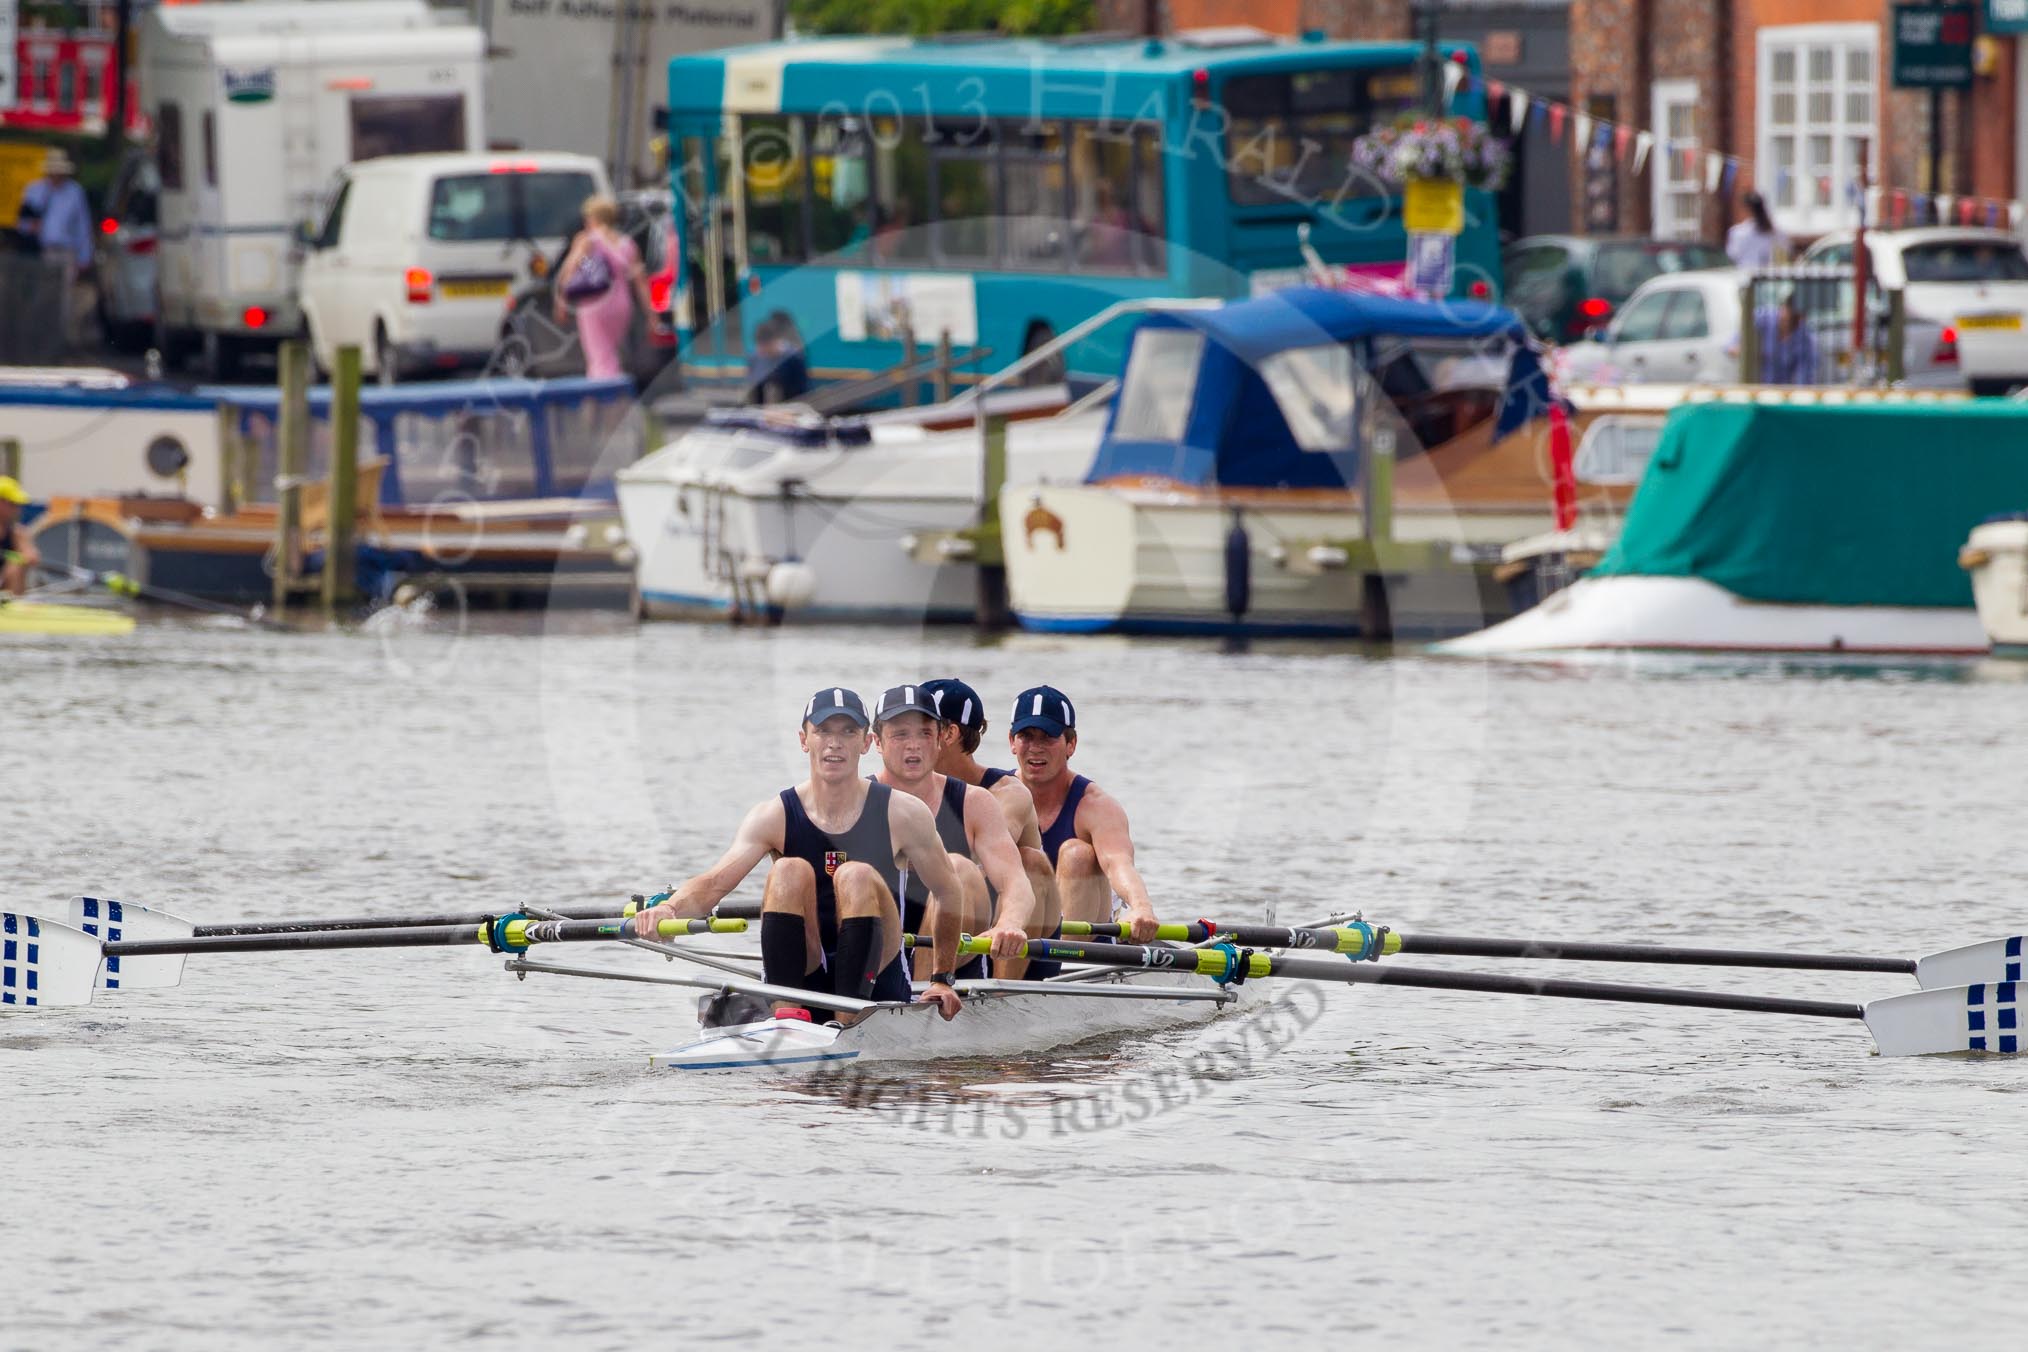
957	703
1043	707
832	701
903	699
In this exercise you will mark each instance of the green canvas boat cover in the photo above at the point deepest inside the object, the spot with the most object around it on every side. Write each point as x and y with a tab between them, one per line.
1854	506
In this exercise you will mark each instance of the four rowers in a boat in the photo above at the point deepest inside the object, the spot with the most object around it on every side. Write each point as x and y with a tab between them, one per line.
840	844
963	847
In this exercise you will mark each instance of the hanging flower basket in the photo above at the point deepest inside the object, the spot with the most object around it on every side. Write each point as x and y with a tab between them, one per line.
1455	149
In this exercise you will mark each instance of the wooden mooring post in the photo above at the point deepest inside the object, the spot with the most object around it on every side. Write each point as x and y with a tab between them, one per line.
991	554
1376	618
341	560
293	437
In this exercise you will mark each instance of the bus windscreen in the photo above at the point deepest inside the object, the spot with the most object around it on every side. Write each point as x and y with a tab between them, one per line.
1291	133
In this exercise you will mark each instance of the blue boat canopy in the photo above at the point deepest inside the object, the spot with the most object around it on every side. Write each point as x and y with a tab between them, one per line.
1269	393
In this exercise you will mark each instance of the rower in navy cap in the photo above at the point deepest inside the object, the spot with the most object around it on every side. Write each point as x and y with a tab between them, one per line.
907	730
829	919
1084	828
963	716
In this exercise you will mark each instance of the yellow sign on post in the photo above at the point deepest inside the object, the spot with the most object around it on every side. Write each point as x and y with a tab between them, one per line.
20	165
1433	206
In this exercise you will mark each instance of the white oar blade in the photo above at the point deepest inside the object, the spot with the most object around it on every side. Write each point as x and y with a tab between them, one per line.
114	921
44	965
1994	960
1980	1017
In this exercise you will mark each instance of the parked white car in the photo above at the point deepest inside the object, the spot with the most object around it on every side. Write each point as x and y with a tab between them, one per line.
1685	327
123	254
416	255
1971	281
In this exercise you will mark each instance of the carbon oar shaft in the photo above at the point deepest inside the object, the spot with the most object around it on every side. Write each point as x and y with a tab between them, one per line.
519	933
1352	941
377	922
1214	962
1463	946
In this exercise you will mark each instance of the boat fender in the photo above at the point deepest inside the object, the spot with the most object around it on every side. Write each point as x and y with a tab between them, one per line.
1238	568
791	583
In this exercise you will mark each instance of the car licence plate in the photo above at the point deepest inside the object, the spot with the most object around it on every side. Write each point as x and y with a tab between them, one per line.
2010	322
470	288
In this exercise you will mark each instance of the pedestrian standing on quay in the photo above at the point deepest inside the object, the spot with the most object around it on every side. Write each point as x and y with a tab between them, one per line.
601	278
1755	242
54	211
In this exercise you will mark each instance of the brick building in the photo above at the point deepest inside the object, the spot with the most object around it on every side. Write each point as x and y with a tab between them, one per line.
1793	93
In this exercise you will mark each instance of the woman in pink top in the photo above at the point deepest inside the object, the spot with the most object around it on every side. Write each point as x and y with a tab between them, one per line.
603	317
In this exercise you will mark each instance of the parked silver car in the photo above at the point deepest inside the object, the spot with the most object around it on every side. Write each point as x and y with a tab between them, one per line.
1685	328
123	255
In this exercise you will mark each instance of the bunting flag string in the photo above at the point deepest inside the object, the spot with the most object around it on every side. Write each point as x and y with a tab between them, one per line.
1690	166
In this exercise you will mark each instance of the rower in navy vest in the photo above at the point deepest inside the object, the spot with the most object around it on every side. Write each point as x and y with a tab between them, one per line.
1084	828
963	716
829	919
907	729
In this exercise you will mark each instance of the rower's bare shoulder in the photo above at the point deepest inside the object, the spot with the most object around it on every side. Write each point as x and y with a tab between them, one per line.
1014	798
766	823
906	811
1099	806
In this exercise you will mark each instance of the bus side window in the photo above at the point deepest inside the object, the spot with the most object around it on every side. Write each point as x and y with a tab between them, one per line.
900	224
964	176
1036	193
771	156
841	190
1117	201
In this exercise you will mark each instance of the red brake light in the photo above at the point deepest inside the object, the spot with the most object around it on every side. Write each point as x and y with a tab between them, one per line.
1947	347
109	226
1480	291
511	167
1200	85
255	317
1595	307
141	246
659	287
419	285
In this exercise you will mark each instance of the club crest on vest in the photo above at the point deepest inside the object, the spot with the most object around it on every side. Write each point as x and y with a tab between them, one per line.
833	861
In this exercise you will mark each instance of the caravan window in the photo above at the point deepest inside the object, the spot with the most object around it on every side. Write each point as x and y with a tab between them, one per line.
1156	391
169	146
210	149
407	126
1313	386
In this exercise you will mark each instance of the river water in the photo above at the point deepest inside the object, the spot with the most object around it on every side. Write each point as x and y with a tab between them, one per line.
411	1149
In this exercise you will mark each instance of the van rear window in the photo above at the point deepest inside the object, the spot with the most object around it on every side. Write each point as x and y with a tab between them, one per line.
468	207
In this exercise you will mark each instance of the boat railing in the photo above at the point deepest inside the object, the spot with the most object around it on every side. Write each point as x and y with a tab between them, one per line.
1030	360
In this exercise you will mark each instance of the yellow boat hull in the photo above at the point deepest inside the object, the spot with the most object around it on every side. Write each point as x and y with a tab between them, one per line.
29	617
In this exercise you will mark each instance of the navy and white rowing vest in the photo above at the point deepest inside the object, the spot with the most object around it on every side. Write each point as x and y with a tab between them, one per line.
866	841
1065	826
951	831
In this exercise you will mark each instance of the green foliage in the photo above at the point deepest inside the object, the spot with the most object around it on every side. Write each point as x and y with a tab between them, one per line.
1013	17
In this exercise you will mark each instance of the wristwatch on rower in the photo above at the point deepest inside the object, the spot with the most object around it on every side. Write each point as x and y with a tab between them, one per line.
944	979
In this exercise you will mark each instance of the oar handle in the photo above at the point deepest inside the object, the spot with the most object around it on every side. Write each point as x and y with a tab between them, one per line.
1356	941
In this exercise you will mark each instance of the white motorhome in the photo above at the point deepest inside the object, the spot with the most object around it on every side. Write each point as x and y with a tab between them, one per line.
256	106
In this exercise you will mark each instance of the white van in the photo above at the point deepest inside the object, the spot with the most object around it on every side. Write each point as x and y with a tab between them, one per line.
417	255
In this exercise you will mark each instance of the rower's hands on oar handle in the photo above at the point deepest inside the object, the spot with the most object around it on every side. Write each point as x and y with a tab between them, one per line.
1005	937
940	994
647	924
1140	924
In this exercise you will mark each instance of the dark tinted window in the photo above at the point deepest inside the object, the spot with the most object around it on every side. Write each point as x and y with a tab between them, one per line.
407	126
169	146
1965	261
1291	134
1622	267
467	207
334	220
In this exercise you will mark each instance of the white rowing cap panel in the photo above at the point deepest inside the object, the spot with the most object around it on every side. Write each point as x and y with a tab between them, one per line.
44	964
114	921
1984	1016
1994	960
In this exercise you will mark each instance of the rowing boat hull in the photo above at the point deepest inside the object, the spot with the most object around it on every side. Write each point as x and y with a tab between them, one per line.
993	1023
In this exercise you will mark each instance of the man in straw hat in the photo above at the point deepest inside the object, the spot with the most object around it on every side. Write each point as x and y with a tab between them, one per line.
54	211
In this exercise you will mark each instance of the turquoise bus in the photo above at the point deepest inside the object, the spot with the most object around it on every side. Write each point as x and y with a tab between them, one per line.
877	192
